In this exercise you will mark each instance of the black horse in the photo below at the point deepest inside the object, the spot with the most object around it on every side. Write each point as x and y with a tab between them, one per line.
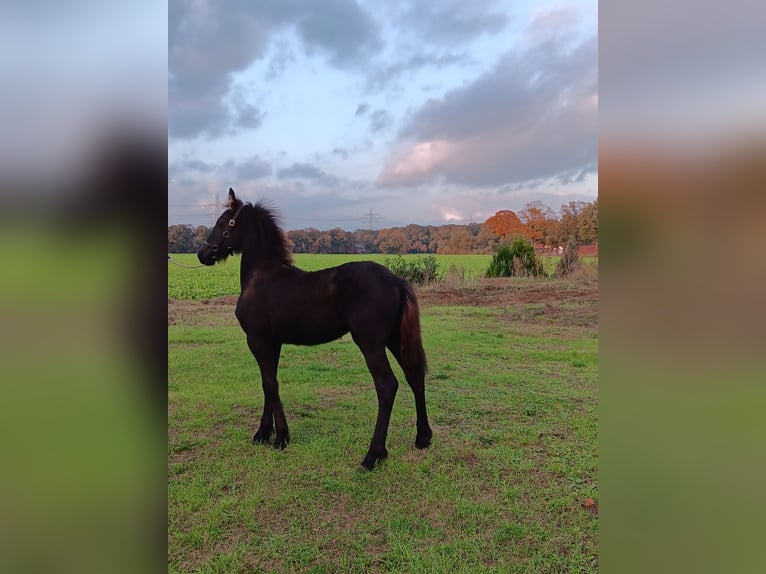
280	303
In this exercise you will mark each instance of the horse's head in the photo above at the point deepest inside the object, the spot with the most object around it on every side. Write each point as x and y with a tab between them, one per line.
226	236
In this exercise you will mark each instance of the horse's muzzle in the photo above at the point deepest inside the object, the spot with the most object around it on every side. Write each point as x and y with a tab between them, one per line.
207	256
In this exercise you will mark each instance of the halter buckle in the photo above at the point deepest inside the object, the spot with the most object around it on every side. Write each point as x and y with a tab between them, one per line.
232	222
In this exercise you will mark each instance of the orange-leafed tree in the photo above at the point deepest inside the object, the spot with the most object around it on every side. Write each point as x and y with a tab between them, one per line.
540	221
506	225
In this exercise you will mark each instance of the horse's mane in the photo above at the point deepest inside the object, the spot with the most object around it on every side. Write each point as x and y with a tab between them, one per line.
267	222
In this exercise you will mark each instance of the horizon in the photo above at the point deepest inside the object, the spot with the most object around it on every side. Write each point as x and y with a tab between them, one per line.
374	228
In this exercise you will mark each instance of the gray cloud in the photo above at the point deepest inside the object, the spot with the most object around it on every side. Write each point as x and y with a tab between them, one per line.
340	152
340	28
253	168
533	116
189	169
455	21
208	42
283	57
382	76
186	165
362	109
380	121
309	172
243	113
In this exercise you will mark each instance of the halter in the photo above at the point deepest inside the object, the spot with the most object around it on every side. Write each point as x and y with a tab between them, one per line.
232	223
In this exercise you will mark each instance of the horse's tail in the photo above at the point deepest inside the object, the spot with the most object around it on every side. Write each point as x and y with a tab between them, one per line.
413	356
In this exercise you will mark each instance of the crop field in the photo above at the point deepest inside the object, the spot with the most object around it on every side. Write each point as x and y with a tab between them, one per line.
223	279
508	485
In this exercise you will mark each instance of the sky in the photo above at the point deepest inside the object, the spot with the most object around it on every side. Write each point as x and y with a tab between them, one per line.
412	110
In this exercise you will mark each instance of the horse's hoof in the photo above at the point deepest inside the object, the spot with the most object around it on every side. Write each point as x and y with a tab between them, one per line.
262	436
281	442
369	461
422	442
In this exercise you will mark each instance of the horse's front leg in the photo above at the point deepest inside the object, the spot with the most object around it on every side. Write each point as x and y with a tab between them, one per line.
267	356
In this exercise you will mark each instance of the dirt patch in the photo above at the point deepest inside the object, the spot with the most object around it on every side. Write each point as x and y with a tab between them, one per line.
541	301
547	301
467	457
218	312
509	292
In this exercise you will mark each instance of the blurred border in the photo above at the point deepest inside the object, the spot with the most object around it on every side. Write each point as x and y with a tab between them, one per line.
683	224
83	211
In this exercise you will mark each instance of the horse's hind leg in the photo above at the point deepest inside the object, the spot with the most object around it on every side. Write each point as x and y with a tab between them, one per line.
266	428
267	356
416	380
386	386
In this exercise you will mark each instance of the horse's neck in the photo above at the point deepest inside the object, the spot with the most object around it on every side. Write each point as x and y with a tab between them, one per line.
253	257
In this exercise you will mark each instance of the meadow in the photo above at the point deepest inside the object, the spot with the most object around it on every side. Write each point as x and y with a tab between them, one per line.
508	485
223	279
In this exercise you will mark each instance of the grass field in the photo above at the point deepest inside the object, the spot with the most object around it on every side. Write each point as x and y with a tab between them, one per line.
512	397
206	282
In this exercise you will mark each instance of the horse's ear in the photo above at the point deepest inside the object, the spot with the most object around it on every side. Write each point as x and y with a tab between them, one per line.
232	198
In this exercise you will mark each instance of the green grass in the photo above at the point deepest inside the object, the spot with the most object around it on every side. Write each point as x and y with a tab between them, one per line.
223	279
513	406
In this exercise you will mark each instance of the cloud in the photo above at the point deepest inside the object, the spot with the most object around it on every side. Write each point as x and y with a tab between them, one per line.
454	21
188	169
309	172
340	152
209	42
533	116
282	59
382	76
186	165
253	168
380	121
339	28
362	109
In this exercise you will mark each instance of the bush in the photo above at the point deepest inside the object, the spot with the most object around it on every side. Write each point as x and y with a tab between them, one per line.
570	259
420	271
518	259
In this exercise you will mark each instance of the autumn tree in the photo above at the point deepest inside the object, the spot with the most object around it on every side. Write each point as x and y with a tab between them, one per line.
460	241
569	222
506	225
485	241
340	241
180	239
418	238
393	240
304	240
364	241
588	223
540	221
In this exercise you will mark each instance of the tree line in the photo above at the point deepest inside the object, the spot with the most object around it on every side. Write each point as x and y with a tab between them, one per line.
537	222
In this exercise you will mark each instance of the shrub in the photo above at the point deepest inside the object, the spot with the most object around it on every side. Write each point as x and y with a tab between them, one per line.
422	270
518	259
570	259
